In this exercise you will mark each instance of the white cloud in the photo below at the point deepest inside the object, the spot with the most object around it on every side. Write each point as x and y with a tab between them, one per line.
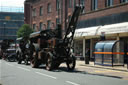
18	3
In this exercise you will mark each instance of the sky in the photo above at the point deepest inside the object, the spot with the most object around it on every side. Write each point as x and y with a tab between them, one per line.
17	3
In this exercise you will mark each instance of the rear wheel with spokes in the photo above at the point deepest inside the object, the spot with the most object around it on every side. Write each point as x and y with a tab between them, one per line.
34	61
49	64
19	58
26	60
71	63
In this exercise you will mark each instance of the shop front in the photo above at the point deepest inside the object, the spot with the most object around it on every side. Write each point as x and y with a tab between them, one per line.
86	38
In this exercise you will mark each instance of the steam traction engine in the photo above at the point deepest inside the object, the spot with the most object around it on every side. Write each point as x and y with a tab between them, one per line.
51	49
23	52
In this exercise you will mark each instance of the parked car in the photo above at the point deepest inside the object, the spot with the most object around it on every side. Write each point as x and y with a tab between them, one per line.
1	53
11	55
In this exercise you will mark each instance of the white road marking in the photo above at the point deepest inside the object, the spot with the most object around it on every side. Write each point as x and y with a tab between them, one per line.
23	68
9	64
72	83
46	75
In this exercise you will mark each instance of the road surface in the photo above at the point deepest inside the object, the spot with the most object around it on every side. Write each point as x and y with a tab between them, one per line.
12	73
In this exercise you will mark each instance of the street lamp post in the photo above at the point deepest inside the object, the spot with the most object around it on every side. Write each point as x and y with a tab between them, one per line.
4	30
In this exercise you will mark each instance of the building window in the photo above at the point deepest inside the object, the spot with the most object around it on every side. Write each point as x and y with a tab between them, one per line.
74	4
48	24
57	21
82	3
49	8
41	11
52	25
94	4
122	1
44	26
69	18
69	3
34	12
41	25
57	5
34	27
109	3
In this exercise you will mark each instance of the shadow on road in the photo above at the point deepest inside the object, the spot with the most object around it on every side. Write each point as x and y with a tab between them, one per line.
105	68
64	69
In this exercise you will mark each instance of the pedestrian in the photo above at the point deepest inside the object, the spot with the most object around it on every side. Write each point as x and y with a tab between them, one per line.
87	56
127	57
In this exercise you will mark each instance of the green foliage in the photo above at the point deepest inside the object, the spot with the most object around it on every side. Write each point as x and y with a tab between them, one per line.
24	31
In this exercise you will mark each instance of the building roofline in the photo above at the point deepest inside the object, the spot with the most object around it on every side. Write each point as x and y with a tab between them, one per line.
12	12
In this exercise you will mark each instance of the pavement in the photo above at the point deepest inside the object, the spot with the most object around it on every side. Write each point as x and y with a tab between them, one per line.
117	71
120	72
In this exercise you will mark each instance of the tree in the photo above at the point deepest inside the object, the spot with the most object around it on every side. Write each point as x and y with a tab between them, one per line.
24	31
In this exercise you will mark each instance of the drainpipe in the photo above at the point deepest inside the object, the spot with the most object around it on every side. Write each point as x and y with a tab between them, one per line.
66	14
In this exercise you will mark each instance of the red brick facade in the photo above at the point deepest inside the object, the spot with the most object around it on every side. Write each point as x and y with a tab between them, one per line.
102	10
105	11
27	13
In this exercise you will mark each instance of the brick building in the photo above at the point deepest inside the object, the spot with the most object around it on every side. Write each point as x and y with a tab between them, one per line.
99	16
40	13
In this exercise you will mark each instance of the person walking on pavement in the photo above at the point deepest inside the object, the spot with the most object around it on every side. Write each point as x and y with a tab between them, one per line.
87	56
127	56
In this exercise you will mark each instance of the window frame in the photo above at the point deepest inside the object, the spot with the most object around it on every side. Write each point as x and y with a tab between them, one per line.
70	4
69	18
94	5
34	12
41	10
82	2
123	1
41	26
109	3
74	4
57	21
34	27
48	24
57	5
49	8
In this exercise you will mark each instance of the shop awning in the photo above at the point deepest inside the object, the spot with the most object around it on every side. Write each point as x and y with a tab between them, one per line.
91	31
107	29
114	28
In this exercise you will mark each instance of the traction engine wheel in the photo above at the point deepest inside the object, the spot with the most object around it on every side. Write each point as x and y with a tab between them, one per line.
26	60
19	58
49	63
34	61
71	63
56	65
